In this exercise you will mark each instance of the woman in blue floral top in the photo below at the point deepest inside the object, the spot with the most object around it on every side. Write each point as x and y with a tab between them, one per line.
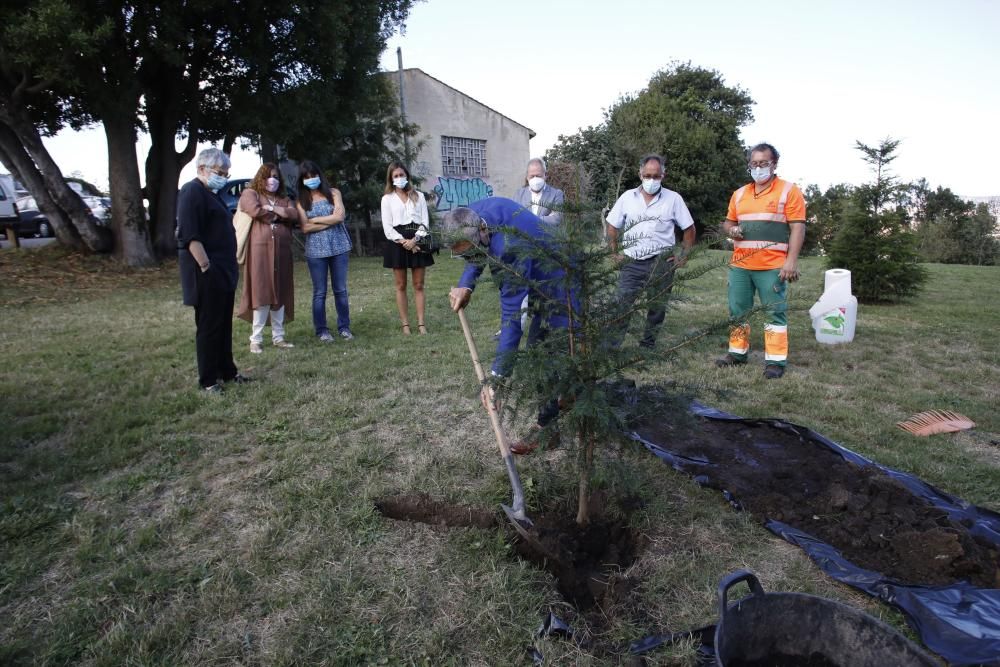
328	245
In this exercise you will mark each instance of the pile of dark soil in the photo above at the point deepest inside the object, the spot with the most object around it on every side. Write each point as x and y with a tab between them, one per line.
421	508
587	562
875	522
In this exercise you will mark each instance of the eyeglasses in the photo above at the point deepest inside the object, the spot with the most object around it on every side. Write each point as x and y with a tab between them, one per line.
223	174
763	164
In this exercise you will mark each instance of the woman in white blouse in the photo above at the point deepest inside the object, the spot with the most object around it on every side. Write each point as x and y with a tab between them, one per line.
405	221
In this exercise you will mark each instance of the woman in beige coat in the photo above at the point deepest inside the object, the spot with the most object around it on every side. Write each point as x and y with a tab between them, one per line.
267	276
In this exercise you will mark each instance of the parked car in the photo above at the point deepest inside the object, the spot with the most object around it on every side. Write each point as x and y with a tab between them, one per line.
8	208
231	193
32	222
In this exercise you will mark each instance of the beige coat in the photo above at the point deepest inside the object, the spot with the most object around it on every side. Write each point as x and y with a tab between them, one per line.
267	274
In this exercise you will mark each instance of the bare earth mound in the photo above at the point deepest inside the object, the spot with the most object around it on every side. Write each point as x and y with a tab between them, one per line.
871	519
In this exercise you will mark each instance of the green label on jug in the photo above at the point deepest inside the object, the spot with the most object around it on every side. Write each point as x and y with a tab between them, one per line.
834	322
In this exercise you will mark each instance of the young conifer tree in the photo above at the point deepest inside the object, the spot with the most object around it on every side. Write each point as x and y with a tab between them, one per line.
874	243
583	364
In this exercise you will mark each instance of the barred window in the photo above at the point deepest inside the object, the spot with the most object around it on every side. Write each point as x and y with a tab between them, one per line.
463	157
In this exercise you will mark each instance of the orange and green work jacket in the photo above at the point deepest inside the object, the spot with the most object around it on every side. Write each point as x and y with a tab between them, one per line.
763	218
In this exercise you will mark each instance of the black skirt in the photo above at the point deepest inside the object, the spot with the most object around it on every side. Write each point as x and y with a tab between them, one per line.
396	256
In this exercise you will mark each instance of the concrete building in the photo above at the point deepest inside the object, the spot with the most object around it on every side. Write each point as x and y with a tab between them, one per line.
470	151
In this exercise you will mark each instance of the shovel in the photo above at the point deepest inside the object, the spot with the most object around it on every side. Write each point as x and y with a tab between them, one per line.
515	513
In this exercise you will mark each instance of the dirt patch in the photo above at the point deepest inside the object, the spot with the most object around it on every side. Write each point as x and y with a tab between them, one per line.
422	508
587	562
873	520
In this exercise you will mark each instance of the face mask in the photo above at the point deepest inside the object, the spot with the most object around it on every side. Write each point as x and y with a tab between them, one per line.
536	183
399	182
311	183
651	185
760	174
216	182
272	185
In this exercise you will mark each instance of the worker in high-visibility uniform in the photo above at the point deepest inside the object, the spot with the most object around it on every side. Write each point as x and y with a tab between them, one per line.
766	221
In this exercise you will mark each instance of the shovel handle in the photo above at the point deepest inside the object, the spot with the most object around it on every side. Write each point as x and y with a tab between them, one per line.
490	408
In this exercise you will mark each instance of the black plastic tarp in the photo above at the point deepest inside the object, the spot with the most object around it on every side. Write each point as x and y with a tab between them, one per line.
960	622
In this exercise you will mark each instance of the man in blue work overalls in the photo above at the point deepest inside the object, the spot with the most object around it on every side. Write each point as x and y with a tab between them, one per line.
512	237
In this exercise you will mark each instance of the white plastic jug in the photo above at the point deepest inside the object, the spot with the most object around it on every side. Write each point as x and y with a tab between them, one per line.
835	315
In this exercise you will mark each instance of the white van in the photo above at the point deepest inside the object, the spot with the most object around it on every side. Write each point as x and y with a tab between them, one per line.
8	212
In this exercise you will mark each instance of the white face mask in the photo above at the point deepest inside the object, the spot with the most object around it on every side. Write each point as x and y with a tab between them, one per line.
760	174
651	185
399	182
536	183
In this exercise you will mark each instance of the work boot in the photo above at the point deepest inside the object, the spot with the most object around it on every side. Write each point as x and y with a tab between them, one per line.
727	361
773	371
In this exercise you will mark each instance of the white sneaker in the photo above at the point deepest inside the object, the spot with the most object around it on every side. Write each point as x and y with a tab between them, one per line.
283	344
326	337
256	348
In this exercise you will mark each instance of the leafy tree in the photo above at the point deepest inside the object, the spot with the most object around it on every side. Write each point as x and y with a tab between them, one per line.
951	230
875	242
826	212
31	107
208	70
690	116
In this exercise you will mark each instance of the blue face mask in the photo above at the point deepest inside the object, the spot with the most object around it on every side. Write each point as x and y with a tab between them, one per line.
760	174
312	183
216	182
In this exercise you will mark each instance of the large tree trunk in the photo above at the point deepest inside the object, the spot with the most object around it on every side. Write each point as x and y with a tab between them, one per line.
19	163
132	244
163	168
60	196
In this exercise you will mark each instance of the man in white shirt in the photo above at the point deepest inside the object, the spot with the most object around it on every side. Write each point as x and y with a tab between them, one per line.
641	236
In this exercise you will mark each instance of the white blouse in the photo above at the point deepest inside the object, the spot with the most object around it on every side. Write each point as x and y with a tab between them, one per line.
396	213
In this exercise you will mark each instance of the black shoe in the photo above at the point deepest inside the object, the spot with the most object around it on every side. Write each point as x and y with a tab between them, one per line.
240	379
773	371
214	389
727	361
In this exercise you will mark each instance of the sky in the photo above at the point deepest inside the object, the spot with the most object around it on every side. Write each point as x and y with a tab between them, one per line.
823	74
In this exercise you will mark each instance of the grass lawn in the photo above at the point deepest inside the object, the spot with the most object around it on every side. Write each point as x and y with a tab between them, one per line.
142	522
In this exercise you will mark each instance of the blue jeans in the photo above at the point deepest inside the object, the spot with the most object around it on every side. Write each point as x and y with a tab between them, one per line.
336	267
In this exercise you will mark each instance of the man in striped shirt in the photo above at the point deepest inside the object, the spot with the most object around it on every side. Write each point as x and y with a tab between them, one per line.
766	221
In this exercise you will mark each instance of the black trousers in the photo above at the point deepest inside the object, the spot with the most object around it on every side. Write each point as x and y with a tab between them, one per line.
213	317
656	276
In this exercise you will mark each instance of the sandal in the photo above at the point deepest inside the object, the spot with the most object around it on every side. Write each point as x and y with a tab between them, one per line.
406	328
422	329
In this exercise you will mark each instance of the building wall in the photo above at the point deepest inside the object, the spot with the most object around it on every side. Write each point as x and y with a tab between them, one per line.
443	111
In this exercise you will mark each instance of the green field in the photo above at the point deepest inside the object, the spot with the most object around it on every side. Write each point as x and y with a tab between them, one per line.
145	523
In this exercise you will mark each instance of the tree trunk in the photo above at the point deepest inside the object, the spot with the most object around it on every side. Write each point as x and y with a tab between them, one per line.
163	169
585	463
163	166
67	201
19	163
132	244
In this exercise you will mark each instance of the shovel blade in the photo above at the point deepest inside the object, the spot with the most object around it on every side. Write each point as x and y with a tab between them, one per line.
519	518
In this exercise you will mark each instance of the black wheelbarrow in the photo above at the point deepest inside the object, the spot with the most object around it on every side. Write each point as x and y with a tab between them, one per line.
778	629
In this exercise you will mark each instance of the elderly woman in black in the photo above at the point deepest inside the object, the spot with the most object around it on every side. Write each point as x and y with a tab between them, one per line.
206	243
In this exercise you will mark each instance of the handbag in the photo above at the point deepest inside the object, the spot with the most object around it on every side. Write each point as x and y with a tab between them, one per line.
242	223
429	243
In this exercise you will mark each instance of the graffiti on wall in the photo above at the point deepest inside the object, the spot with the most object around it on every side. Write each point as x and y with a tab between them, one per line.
451	192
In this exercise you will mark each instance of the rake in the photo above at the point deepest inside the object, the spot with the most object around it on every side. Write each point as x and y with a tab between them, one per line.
936	421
